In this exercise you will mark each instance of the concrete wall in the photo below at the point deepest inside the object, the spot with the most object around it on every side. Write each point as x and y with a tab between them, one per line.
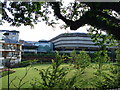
77	41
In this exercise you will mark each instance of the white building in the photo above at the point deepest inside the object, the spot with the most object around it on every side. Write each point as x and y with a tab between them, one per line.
10	49
74	41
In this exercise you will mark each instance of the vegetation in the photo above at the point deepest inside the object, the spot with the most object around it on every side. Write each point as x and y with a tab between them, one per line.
81	60
34	76
4	72
101	15
39	54
40	57
78	74
105	80
53	76
117	69
81	73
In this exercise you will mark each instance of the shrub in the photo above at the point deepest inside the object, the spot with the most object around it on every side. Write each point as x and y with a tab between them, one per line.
81	60
21	64
53	76
26	63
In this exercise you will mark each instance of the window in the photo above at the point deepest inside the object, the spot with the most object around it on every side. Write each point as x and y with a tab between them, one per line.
13	33
14	38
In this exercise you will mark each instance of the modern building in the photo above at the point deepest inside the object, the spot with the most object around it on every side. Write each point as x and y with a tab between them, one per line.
42	46
68	42
28	46
10	48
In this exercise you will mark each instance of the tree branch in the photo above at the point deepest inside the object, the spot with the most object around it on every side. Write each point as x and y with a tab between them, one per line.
56	8
90	17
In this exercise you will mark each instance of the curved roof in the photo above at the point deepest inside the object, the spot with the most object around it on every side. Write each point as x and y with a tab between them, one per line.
71	35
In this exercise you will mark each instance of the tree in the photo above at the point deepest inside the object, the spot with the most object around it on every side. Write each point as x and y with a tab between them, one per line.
101	15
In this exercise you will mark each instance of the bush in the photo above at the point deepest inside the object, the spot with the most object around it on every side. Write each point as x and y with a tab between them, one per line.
23	64
20	64
39	54
53	76
27	63
81	60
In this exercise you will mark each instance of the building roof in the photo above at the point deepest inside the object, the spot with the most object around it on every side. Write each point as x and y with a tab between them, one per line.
3	30
32	42
14	31
71	35
27	43
9	31
43	41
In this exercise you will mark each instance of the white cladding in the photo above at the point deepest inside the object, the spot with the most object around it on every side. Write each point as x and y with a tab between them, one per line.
77	41
10	49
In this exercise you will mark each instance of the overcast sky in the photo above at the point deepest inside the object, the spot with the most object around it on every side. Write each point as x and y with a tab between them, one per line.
39	32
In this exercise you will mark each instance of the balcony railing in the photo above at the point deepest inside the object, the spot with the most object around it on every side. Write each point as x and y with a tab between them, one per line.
10	49
9	57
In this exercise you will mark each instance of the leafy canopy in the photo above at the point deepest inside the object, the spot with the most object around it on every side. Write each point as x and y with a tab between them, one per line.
101	15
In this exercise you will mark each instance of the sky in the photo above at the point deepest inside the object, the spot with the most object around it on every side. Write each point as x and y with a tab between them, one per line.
40	31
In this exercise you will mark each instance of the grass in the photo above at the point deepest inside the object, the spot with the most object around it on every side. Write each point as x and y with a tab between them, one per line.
20	73
33	74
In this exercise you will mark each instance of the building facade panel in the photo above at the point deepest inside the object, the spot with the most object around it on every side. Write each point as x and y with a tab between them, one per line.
71	38
75	41
10	49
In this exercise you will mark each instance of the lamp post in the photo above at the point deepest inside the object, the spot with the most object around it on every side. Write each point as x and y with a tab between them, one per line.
6	36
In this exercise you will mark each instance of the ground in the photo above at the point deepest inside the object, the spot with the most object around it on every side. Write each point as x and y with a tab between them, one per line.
32	74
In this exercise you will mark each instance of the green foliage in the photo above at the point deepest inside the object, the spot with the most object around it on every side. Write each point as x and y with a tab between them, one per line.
73	79
118	54
111	80
102	78
4	72
53	76
26	63
73	56
99	15
102	40
39	54
107	79
118	63
101	57
81	60
20	79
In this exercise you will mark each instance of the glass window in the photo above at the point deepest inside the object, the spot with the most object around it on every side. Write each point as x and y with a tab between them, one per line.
13	33
14	38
